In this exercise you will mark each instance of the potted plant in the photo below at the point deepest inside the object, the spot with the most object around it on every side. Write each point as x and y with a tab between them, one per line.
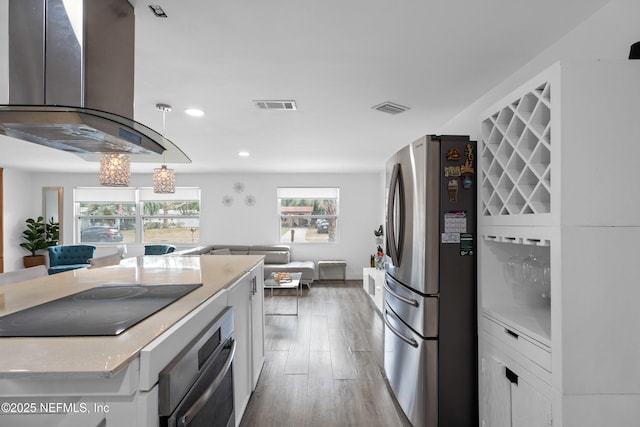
35	239
378	233
52	232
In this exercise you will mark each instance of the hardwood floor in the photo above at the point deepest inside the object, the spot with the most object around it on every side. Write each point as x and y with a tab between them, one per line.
323	367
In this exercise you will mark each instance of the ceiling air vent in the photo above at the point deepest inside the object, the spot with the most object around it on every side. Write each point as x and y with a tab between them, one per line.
157	11
275	105
390	108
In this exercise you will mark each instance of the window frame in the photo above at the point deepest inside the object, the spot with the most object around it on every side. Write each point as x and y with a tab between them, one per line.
181	195
95	195
136	196
315	194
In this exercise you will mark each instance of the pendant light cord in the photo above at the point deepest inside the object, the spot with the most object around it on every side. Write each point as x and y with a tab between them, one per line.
164	135
164	108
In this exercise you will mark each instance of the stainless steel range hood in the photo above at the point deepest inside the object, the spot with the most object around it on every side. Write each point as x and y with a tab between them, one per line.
71	74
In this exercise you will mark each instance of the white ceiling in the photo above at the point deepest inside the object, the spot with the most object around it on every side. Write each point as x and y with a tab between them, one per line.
336	59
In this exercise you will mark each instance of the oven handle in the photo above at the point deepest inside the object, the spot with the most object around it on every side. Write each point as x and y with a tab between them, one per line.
195	408
397	333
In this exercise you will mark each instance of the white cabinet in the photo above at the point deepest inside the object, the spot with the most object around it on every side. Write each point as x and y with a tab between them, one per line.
373	284
495	392
239	298
256	277
556	172
514	390
510	399
529	407
246	298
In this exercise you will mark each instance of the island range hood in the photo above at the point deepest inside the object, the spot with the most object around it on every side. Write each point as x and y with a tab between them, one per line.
71	74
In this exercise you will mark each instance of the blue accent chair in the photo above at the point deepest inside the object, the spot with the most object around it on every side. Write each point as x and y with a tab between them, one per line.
69	257
158	249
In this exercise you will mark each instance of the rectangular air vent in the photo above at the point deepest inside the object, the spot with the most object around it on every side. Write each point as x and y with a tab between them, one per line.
157	11
275	105
390	108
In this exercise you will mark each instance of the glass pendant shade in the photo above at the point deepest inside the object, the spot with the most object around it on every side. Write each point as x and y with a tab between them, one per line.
115	170
164	180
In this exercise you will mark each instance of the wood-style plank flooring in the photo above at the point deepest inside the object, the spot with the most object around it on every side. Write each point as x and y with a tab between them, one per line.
323	367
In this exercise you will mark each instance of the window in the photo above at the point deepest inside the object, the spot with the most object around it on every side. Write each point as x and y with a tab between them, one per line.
131	215
308	215
105	215
170	218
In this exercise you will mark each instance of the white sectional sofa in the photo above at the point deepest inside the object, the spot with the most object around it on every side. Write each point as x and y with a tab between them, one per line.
276	258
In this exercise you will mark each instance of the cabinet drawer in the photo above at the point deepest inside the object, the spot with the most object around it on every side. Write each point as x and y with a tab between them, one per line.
529	348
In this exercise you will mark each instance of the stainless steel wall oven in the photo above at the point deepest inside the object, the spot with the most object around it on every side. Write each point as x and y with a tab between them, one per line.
196	388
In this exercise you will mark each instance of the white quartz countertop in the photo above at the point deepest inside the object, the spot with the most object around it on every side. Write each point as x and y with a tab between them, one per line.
107	355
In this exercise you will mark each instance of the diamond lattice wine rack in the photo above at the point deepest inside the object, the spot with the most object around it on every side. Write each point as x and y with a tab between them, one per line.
516	156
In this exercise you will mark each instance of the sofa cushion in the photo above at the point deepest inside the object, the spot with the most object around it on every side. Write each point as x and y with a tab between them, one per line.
272	257
70	254
271	248
235	249
66	267
223	251
198	250
158	249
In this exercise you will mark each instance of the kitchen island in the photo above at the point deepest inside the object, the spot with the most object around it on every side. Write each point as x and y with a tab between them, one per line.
112	380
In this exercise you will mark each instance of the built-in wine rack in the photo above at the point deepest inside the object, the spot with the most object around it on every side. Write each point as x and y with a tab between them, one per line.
516	156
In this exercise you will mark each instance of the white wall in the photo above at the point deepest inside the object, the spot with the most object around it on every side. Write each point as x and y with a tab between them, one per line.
21	201
608	34
361	211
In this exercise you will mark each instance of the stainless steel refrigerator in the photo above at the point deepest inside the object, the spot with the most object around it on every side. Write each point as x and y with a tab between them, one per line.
430	333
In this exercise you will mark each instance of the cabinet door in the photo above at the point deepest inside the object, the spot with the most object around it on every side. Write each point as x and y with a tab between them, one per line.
365	280
495	393
530	408
510	396
239	298
379	289
257	321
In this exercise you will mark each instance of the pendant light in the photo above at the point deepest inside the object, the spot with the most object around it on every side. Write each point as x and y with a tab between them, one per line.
164	179
115	170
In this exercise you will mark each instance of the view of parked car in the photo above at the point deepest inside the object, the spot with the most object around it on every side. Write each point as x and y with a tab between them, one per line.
100	234
322	226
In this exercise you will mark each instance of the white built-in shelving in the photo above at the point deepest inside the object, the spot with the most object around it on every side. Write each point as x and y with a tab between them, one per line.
516	226
557	173
516	156
516	193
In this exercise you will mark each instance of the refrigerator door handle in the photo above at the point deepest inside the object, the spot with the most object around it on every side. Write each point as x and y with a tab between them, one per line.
394	244
397	333
400	297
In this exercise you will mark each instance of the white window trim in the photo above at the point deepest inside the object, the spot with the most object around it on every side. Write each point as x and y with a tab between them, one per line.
309	193
136	195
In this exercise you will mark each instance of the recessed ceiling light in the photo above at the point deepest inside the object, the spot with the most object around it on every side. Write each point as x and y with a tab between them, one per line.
243	154
195	112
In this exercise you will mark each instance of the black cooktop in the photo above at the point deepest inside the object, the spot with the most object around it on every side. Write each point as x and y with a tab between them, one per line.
101	311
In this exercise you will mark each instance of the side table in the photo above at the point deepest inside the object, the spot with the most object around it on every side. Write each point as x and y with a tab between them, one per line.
331	264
